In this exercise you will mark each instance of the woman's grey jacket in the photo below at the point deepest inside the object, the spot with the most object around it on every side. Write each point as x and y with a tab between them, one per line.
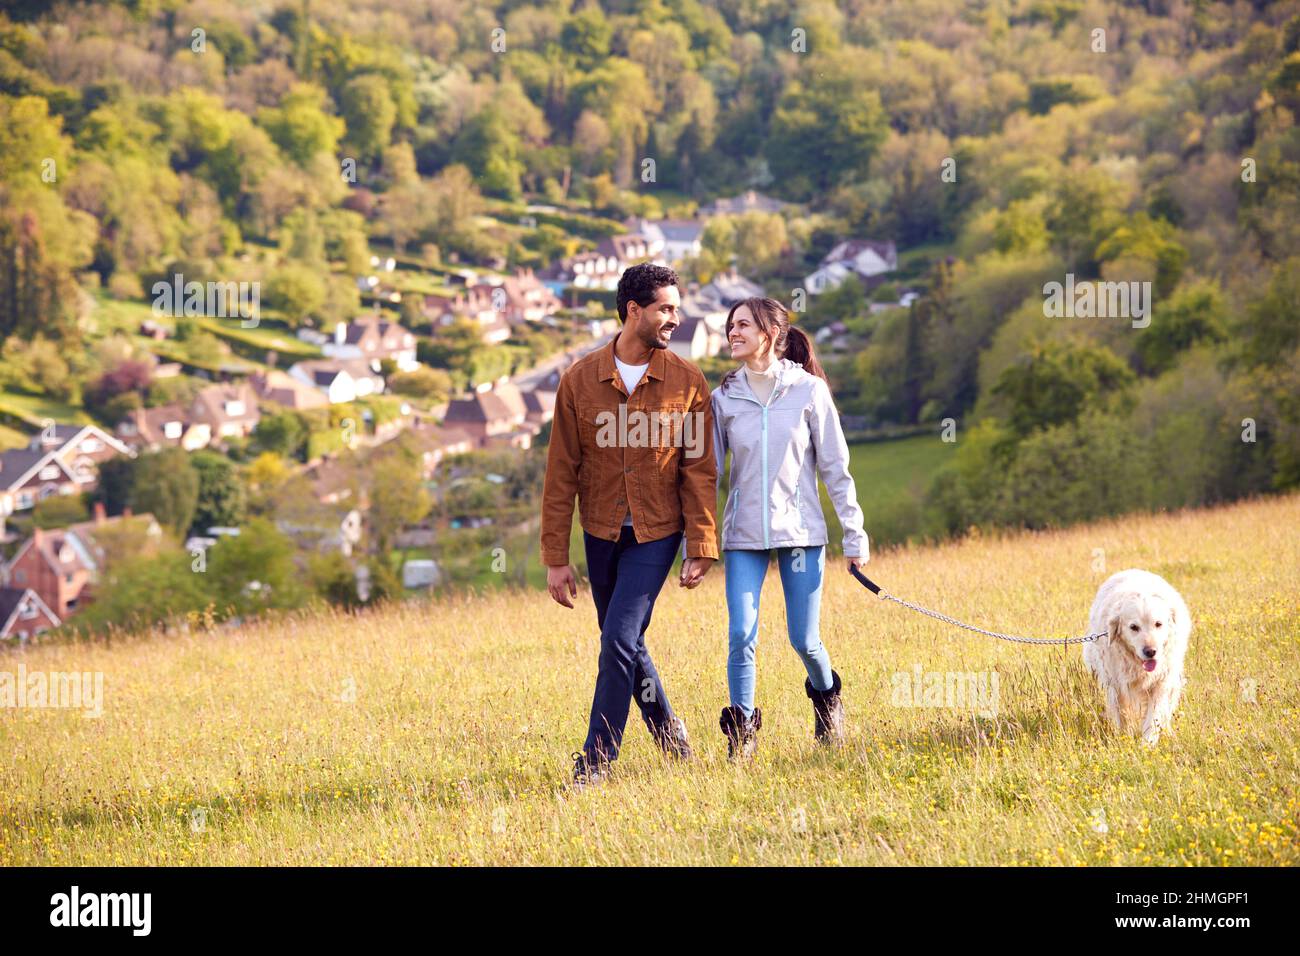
777	451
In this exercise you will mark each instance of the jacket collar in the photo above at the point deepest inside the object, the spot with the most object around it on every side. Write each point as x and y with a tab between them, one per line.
606	370
787	373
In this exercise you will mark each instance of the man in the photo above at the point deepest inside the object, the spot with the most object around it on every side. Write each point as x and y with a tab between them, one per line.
632	437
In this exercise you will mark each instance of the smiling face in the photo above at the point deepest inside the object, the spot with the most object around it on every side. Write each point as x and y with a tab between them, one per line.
654	323
746	339
1144	625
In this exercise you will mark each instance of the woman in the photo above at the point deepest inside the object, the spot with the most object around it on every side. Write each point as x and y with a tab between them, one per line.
776	416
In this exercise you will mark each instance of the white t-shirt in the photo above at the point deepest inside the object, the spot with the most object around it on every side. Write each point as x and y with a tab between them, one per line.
631	374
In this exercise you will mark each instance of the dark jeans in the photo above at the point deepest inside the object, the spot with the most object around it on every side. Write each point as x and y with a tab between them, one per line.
625	580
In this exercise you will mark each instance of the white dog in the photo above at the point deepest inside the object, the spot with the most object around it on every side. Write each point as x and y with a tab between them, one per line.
1138	662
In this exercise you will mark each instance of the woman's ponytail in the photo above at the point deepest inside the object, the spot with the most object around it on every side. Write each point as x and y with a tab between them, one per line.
799	349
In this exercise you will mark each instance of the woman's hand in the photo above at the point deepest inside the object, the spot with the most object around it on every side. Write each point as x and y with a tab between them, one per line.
856	563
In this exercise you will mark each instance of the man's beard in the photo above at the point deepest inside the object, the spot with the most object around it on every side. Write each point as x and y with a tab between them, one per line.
653	341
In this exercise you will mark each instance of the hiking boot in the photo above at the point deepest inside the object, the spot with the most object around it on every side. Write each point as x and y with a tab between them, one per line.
671	738
828	711
741	734
589	771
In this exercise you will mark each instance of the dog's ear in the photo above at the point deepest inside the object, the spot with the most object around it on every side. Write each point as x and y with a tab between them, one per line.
1112	629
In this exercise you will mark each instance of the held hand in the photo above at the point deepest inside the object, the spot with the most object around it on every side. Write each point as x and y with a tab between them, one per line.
562	584
693	571
856	563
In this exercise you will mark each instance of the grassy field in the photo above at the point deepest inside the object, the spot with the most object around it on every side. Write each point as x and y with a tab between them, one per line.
440	733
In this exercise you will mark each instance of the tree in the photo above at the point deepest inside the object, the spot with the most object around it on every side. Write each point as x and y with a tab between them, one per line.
369	112
1056	382
827	126
254	571
1195	313
296	291
397	498
166	485
284	433
300	126
433	385
59	511
222	499
490	148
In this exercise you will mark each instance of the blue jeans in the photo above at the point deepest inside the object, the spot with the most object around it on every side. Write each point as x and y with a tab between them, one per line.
801	580
625	581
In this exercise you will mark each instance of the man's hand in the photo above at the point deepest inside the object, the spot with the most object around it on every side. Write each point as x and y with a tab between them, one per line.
562	584
693	571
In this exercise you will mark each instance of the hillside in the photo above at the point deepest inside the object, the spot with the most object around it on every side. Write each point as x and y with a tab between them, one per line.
439	733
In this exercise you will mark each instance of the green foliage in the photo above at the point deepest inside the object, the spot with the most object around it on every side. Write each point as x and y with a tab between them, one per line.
222	498
296	292
166	485
138	592
253	571
59	511
369	112
1056	382
827	126
284	433
1195	313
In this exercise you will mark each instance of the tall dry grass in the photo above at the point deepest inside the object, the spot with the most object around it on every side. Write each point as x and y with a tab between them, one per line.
439	733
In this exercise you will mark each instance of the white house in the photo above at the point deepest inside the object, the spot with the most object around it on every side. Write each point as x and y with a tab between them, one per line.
341	380
862	257
373	338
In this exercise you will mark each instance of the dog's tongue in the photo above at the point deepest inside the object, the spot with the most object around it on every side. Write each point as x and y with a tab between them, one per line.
1149	665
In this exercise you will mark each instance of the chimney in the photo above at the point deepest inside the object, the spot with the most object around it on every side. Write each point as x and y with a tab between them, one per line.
100	514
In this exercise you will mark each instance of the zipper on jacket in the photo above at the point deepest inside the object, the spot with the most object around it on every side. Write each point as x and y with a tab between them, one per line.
768	493
776	388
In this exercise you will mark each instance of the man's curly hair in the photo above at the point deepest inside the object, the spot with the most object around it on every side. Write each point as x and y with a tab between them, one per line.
641	283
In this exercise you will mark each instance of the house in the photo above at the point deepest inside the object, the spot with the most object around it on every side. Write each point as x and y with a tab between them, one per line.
702	332
477	305
674	240
332	482
229	410
147	429
864	258
694	338
23	615
539	405
341	380
602	267
433	444
62	564
55	564
748	201
61	460
491	416
373	338
284	389
527	299
216	413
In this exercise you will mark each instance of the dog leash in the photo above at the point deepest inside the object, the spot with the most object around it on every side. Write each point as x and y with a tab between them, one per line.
884	595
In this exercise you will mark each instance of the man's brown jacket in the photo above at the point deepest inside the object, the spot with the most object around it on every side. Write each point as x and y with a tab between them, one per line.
655	456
